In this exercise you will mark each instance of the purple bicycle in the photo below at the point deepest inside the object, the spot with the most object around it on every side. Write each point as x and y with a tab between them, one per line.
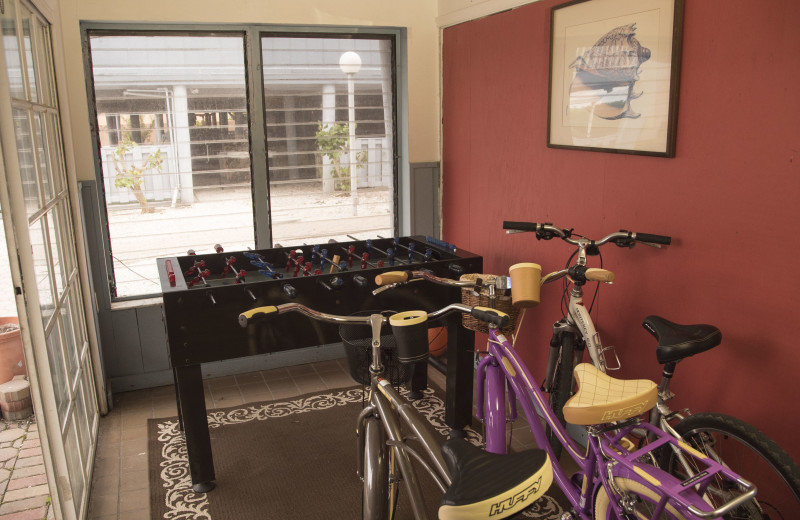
615	478
719	436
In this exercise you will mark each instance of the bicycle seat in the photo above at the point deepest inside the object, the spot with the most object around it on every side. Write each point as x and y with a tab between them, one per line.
676	342
601	398
488	485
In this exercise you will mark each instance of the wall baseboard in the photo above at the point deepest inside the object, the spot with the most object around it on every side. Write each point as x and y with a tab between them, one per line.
232	366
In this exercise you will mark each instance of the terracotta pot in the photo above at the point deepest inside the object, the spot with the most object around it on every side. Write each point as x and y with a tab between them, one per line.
12	359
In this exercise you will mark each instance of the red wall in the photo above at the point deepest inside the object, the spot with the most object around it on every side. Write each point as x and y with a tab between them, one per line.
729	198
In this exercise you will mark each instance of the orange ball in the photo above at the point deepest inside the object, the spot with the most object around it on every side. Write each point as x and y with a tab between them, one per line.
437	341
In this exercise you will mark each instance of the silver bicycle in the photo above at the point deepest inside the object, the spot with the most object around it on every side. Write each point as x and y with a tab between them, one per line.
475	484
721	437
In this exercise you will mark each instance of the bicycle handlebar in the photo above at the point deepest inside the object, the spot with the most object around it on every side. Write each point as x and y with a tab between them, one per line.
491	316
622	238
392	279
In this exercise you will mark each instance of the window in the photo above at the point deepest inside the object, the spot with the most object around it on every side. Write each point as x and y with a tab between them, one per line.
192	157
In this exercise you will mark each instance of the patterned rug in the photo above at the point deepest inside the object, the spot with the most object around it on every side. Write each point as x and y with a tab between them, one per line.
286	459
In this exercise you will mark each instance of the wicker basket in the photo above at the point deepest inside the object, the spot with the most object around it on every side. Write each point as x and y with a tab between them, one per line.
502	303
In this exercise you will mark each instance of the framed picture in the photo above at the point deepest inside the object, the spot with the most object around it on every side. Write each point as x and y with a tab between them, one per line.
614	76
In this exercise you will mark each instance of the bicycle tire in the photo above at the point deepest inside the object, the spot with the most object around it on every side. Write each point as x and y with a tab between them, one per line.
750	453
562	388
380	489
643	499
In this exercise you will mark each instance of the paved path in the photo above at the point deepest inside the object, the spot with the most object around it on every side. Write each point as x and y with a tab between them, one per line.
24	494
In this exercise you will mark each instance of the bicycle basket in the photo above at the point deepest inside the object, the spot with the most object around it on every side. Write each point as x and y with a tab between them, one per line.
357	340
502	303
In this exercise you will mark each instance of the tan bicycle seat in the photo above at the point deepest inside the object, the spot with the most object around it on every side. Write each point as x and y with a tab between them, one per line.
601	398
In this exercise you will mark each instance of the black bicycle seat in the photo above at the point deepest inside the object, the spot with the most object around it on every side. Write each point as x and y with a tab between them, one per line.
488	485
676	342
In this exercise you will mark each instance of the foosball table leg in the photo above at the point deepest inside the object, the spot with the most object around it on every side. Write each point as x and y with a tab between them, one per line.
192	411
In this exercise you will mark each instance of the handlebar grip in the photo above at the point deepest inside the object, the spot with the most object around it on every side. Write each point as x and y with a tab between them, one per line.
520	226
390	277
493	316
600	275
653	239
259	313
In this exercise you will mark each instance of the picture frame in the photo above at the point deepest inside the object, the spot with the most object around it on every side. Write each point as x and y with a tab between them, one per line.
615	76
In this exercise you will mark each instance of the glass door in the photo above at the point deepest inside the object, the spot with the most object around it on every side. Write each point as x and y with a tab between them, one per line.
47	281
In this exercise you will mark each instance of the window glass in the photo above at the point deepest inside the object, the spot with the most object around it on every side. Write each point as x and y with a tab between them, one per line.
41	266
172	119
26	38
13	56
330	134
27	165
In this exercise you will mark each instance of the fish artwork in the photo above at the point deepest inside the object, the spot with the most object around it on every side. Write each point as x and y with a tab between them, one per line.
606	73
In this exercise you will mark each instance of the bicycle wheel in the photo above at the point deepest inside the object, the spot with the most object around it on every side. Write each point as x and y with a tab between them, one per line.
750	453
379	493
562	389
638	496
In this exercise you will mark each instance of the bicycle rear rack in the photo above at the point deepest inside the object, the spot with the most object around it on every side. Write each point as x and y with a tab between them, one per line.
613	446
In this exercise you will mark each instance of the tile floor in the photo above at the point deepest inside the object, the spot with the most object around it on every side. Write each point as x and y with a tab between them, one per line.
120	487
24	493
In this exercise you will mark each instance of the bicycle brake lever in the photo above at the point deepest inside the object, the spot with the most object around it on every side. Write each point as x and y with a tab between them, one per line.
384	288
657	246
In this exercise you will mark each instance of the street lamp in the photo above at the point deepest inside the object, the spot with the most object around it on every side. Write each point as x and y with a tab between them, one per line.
350	63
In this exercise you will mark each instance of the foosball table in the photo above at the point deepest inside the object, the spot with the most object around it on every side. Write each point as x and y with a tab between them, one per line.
203	295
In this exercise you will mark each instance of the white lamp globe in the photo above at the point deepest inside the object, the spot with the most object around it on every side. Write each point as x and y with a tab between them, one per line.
350	62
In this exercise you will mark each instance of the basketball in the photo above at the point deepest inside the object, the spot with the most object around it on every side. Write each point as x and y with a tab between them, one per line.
437	341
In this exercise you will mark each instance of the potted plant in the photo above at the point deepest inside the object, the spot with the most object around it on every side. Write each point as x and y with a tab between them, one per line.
12	359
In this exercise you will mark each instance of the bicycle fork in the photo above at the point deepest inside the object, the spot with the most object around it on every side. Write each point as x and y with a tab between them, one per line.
560	327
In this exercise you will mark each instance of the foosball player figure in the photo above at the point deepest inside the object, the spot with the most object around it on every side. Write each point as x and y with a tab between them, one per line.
296	259
240	274
201	277
264	267
351	253
365	262
218	248
195	268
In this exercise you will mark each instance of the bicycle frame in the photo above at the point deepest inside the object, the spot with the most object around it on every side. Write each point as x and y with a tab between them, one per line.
393	409
579	320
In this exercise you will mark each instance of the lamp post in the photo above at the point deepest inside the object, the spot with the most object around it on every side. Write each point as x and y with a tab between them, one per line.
350	63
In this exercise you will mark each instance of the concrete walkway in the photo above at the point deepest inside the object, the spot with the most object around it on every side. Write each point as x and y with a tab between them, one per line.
24	493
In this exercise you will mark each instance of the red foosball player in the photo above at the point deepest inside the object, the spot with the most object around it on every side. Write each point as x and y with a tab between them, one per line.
196	268
201	277
240	277
229	267
298	264
365	262
291	261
